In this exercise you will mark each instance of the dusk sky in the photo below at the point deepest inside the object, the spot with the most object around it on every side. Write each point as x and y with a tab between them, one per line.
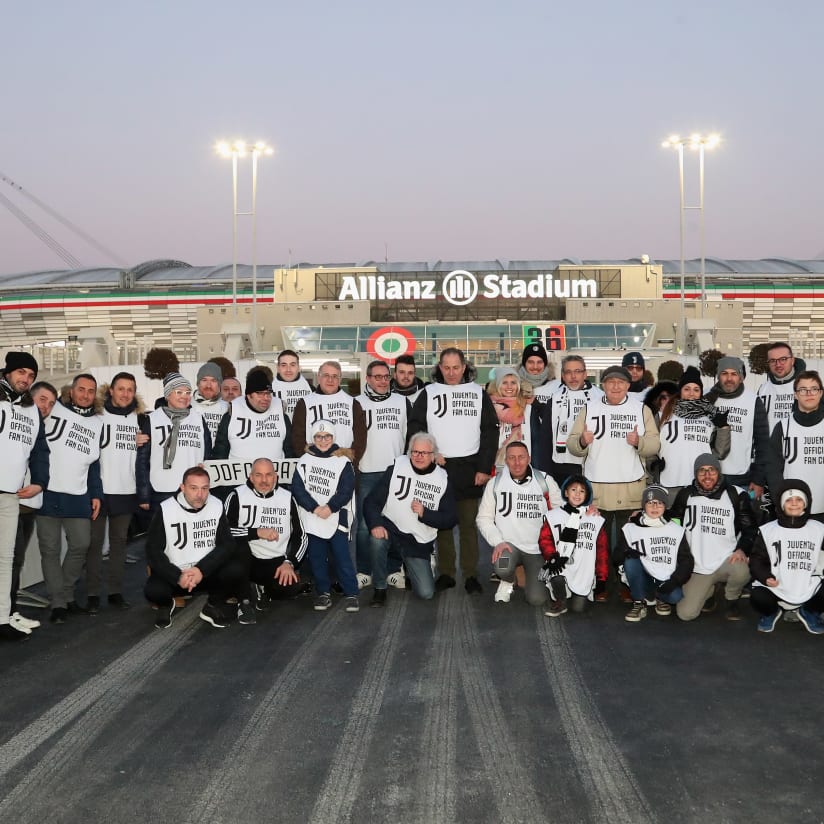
446	130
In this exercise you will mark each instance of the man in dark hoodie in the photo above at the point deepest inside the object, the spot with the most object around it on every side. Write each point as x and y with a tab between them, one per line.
24	449
74	493
460	416
746	463
777	390
795	442
404	380
787	561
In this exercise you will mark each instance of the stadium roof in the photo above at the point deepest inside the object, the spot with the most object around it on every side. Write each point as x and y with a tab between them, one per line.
170	272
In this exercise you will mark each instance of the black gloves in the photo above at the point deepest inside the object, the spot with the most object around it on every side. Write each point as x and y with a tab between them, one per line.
553	566
667	586
657	465
719	419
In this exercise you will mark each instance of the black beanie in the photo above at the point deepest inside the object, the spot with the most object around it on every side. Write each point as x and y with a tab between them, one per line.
20	360
257	381
534	350
691	375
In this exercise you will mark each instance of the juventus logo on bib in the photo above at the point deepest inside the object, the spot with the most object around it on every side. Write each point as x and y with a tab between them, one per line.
317	413
245	428
404	487
368	415
59	428
2	420
250	514
600	426
790	449
181	535
105	435
672	431
441	406
165	431
506	504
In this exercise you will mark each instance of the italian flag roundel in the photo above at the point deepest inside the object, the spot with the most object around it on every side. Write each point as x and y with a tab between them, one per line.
390	342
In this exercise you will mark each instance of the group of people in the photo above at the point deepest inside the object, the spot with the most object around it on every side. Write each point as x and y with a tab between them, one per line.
576	491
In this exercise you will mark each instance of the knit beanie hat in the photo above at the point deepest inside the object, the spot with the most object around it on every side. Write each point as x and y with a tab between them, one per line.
323	427
794	493
655	492
707	459
730	362
257	381
534	350
20	360
691	375
633	359
210	370
174	380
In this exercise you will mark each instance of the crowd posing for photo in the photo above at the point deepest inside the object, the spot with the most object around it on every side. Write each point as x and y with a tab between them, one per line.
666	497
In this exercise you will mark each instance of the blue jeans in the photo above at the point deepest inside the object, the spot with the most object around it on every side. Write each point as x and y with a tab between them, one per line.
642	585
338	545
367	481
419	570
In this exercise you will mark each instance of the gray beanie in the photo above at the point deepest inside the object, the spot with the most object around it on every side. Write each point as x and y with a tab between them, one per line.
707	459
655	492
210	370
730	362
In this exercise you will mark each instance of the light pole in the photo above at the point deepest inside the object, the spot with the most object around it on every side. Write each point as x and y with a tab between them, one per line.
237	149
700	143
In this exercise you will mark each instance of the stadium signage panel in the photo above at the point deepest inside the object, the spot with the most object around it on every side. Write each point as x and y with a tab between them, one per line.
460	287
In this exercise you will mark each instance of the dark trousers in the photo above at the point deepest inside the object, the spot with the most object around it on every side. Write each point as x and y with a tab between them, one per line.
118	536
262	573
763	600
229	580
25	528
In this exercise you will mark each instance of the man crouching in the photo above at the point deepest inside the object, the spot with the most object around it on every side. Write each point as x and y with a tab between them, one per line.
190	549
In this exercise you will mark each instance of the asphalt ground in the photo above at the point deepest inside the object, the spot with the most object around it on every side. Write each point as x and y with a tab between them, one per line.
458	709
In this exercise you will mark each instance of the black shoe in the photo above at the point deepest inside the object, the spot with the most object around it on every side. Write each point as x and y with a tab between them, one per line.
213	615
472	585
260	598
444	582
733	611
306	588
10	633
246	612
73	608
163	617
59	615
378	598
117	601
93	604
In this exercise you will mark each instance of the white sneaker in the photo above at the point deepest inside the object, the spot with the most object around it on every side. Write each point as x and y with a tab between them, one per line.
504	592
18	626
364	580
397	580
21	622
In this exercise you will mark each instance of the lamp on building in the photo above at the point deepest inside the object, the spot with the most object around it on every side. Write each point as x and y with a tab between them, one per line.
696	142
237	149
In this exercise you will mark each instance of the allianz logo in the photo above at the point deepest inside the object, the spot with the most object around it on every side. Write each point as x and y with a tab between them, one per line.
460	287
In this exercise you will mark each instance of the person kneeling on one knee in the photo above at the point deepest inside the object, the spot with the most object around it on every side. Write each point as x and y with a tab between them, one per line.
656	557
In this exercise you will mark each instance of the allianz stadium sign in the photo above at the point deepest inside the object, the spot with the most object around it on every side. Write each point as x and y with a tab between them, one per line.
460	287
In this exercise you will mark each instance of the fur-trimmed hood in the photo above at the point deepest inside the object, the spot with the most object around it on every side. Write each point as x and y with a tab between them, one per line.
103	396
66	400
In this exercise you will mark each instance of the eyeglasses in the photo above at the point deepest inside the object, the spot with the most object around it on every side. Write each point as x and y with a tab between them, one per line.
379	377
574	371
707	470
774	361
323	436
807	390
419	453
328	376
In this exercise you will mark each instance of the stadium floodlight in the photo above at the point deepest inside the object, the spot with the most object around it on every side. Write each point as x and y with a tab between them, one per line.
236	149
697	142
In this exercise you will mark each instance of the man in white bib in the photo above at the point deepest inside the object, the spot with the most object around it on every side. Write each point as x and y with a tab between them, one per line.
190	550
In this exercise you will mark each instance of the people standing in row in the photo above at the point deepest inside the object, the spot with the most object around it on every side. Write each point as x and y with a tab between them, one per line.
777	392
289	384
511	402
537	371
404	379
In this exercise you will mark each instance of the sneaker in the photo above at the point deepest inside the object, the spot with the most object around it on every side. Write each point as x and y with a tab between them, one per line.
10	633
472	585
132	559
556	608
323	602
663	608
504	592
791	616
117	601
811	621
212	614
260	598
351	603
163	617
601	597
650	602
306	588
246	612
766	623
20	621
732	611
93	604
444	582
58	615
494	578
625	595
18	627
378	598
397	580
637	613
364	580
